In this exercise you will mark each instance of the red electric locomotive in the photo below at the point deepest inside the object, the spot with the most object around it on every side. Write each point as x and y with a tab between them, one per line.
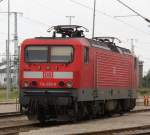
68	76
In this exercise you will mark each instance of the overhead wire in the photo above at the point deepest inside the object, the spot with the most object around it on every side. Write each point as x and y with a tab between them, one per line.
141	42
40	4
112	17
35	21
1	1
146	58
146	19
3	33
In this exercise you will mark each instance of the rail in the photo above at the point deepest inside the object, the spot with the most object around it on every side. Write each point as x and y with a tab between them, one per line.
139	130
19	125
10	114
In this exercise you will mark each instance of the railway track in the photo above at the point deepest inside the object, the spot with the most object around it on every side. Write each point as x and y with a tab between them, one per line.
10	114
16	126
139	130
8	103
24	126
11	123
140	110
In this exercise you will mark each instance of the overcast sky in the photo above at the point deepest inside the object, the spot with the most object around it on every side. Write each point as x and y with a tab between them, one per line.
39	15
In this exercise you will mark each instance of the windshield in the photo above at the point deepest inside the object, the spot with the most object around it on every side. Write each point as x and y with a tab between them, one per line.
36	54
62	54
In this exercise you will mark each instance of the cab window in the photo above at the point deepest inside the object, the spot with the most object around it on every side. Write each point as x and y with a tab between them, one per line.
86	55
52	54
61	54
135	63
36	54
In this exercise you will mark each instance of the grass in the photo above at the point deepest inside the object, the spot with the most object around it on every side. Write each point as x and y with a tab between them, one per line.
13	94
144	91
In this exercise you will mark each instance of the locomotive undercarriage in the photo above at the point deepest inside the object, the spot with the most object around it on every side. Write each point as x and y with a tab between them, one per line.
45	109
66	107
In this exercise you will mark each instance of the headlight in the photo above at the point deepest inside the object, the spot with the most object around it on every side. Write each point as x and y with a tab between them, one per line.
61	84
69	84
26	84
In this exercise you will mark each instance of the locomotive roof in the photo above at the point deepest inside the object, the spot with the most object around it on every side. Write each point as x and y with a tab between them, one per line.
57	40
111	46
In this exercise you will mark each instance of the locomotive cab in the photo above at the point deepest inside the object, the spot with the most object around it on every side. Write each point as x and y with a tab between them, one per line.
54	61
49	72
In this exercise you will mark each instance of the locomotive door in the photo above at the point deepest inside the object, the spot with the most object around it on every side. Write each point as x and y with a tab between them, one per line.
95	91
97	70
131	73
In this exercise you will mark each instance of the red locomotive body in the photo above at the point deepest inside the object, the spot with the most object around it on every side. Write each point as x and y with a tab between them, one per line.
75	77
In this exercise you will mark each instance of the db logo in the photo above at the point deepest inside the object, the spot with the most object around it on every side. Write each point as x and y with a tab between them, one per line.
47	75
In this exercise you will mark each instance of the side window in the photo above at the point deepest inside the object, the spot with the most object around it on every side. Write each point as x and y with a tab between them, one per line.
135	63
86	55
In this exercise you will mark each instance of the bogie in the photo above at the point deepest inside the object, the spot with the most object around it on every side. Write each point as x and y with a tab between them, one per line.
80	110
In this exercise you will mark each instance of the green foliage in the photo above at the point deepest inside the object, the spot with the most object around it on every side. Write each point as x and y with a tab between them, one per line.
13	94
144	91
146	80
